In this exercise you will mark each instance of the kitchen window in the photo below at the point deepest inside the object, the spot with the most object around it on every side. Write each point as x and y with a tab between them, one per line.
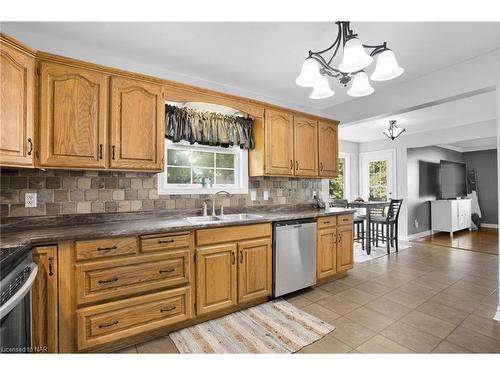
339	186
197	169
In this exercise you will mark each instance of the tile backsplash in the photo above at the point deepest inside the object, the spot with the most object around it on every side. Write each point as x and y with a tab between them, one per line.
70	192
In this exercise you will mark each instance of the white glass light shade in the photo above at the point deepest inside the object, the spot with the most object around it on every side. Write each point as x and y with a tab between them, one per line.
309	75
360	86
387	67
355	58
322	89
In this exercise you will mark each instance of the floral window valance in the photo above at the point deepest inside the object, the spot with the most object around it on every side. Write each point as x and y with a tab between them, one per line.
207	128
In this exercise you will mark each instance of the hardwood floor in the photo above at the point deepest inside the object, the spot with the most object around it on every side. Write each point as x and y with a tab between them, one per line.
484	240
424	299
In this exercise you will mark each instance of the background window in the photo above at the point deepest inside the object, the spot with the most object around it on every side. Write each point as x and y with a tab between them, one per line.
195	169
378	179
337	184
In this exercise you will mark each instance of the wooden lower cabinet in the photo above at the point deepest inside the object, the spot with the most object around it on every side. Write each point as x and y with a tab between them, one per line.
326	258
45	301
345	256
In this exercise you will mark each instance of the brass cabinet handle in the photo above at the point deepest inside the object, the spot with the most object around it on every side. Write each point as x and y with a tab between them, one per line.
241	256
321	166
233	256
109	281
100	151
168	309
106	325
51	266
296	165
166	241
326	222
106	248
113	152
340	238
167	271
30	142
291	164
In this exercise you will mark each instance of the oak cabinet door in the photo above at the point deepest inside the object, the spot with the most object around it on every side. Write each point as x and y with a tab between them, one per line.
72	117
305	133
328	149
216	278
44	300
345	257
17	101
279	143
254	269
137	125
326	257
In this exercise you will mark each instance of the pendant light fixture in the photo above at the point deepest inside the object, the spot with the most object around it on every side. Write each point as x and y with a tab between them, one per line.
393	131
352	67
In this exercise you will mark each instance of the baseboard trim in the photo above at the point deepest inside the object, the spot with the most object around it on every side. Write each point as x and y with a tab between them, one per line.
425	233
486	225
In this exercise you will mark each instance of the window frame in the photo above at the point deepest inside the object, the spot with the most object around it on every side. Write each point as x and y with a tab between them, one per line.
364	160
347	178
240	171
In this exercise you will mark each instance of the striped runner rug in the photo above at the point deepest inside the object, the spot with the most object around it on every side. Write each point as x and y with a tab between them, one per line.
273	327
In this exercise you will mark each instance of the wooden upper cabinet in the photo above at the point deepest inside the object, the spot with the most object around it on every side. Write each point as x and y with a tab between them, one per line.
16	106
137	124
326	258
279	143
72	117
216	278
305	141
254	269
328	149
345	256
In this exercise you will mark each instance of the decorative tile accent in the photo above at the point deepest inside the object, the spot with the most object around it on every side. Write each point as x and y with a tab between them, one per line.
69	192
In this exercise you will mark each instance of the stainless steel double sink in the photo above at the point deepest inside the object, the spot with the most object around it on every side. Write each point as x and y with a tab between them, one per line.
221	218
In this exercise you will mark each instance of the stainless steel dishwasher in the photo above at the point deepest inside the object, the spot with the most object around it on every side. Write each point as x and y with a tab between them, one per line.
294	255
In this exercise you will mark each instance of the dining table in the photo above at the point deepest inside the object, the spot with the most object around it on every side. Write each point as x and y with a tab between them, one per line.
368	206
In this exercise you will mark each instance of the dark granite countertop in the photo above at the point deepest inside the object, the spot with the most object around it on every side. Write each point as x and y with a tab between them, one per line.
49	230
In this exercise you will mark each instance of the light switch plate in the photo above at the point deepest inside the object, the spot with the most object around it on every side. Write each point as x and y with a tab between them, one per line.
253	195
30	200
266	195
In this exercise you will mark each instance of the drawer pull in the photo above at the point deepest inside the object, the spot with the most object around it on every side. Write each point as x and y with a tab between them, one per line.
326	222
167	271
168	309
106	325
166	241
113	280
106	248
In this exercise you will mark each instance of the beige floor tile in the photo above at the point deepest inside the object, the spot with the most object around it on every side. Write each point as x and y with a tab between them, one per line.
327	344
484	311
353	280
455	301
370	319
430	283
381	344
390	281
335	287
357	296
130	350
484	326
406	299
159	345
443	312
475	288
491	300
448	347
429	324
411	337
338	304
388	308
481	281
316	294
473	341
299	301
418	290
351	333
321	312
373	288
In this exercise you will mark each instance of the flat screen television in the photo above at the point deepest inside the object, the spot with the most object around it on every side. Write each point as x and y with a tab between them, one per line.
452	179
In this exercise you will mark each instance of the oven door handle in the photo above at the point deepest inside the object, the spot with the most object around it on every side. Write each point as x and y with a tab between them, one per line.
21	293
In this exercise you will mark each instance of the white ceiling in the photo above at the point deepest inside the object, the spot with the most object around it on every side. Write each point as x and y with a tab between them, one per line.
468	110
263	59
479	144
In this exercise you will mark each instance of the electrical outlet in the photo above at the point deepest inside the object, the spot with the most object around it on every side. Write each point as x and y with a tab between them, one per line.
314	194
253	195
266	195
30	200
416	223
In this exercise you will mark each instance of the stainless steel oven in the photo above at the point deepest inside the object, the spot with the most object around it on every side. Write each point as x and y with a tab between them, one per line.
15	306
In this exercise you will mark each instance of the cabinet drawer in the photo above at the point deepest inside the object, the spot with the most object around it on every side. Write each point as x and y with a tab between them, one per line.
105	280
325	222
232	234
152	243
106	323
105	247
344	219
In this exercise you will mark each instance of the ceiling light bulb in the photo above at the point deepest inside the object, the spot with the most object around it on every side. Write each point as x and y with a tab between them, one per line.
387	67
360	85
309	75
355	58
322	89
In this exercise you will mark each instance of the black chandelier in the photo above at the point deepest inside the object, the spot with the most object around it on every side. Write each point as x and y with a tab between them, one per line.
393	131
352	68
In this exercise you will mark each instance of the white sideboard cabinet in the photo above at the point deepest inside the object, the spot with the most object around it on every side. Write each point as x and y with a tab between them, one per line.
450	215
